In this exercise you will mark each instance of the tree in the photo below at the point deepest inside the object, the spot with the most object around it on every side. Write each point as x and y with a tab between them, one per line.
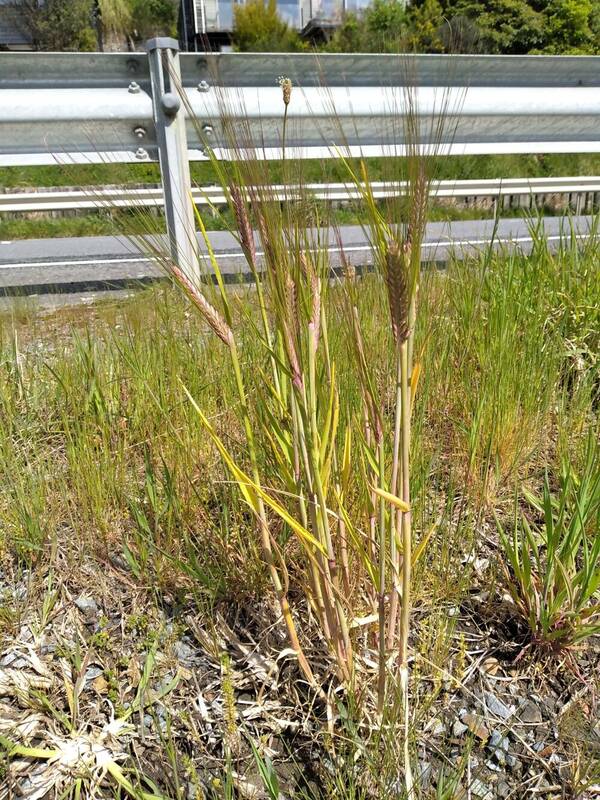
153	18
461	34
382	27
510	27
59	24
257	27
113	22
568	27
425	20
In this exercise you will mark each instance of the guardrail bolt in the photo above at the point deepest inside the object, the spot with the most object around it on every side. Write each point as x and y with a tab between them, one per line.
141	154
170	103
134	88
140	132
208	130
133	66
203	86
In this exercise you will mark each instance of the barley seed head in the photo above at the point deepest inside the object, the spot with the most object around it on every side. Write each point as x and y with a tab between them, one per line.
397	283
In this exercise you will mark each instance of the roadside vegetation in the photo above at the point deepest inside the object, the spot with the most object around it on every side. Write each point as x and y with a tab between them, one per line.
134	583
110	222
451	168
500	27
334	535
91	25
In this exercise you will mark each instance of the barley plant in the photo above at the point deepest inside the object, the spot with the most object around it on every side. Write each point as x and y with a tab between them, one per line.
328	482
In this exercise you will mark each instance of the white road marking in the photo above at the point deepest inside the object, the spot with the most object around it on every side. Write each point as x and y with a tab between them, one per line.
238	254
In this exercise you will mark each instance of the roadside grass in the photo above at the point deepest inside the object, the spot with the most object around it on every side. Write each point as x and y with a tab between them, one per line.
119	223
126	222
106	469
454	167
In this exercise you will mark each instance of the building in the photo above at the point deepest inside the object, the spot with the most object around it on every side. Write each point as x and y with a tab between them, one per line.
13	31
210	22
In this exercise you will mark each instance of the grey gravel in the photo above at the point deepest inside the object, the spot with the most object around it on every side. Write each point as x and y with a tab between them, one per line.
499	745
92	673
481	789
459	728
530	712
184	652
425	773
497	707
491	765
87	605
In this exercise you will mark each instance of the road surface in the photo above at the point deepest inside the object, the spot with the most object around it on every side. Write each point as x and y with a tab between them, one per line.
96	264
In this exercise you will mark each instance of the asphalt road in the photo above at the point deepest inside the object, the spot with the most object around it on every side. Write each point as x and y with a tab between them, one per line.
100	263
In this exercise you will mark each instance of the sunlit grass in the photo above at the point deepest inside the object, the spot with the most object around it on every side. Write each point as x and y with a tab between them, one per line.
102	456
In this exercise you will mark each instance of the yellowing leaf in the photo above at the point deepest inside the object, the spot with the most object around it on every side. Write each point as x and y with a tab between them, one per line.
414	380
346	458
420	549
250	490
392	498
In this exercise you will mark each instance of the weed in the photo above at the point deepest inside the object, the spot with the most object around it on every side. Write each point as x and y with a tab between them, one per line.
554	570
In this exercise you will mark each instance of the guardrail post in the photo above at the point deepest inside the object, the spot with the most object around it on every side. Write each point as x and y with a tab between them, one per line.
169	120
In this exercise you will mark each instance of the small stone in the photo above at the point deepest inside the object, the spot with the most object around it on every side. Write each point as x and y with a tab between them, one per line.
459	728
511	761
436	727
498	741
481	790
425	773
481	565
92	672
87	605
476	726
503	789
499	745
184	652
492	766
495	739
530	713
497	707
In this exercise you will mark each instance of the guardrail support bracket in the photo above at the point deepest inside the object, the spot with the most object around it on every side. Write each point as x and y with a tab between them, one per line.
169	119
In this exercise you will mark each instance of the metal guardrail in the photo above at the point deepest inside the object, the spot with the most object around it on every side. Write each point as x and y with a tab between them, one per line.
131	107
97	107
152	196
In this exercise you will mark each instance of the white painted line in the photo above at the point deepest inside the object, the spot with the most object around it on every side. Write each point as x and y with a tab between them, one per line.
98	260
331	249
